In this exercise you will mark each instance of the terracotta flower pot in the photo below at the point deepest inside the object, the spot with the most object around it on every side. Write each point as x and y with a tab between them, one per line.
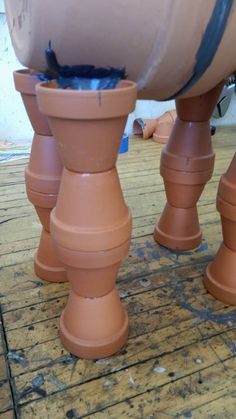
92	235
164	127
220	274
159	129
42	176
25	83
85	113
94	327
187	163
91	224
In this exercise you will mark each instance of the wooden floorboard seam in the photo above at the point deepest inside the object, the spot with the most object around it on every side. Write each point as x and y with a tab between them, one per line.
8	368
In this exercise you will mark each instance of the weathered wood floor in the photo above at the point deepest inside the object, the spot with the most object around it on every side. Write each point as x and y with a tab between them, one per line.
180	358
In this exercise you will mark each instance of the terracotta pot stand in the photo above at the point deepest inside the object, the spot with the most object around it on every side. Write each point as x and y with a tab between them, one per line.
220	277
42	176
91	224
187	163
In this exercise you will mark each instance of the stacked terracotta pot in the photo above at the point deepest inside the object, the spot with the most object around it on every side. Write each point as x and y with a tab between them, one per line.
187	163
91	224
42	176
220	279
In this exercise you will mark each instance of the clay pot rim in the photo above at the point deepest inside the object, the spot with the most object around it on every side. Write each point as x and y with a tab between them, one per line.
25	81
124	86
91	240
193	164
86	104
40	183
184	177
226	190
226	209
92	259
42	200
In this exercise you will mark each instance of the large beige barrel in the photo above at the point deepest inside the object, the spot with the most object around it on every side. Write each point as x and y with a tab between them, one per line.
169	47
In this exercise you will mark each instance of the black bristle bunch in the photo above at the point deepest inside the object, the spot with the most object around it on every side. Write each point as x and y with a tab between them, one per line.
83	71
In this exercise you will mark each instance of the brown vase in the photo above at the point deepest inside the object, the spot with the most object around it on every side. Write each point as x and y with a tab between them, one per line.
220	279
187	163
91	224
158	129
42	176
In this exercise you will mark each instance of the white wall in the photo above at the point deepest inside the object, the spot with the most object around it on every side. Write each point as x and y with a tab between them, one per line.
1	6
14	124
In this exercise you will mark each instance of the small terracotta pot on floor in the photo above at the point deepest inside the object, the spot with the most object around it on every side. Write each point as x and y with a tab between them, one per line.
42	177
91	224
158	129
187	163
220	276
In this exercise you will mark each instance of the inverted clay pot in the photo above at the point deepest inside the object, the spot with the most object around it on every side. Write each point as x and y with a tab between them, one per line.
46	263
184	234
187	163
220	276
159	129
91	224
94	327
42	177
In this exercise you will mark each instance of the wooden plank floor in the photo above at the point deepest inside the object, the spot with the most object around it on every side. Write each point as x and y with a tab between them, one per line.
179	361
